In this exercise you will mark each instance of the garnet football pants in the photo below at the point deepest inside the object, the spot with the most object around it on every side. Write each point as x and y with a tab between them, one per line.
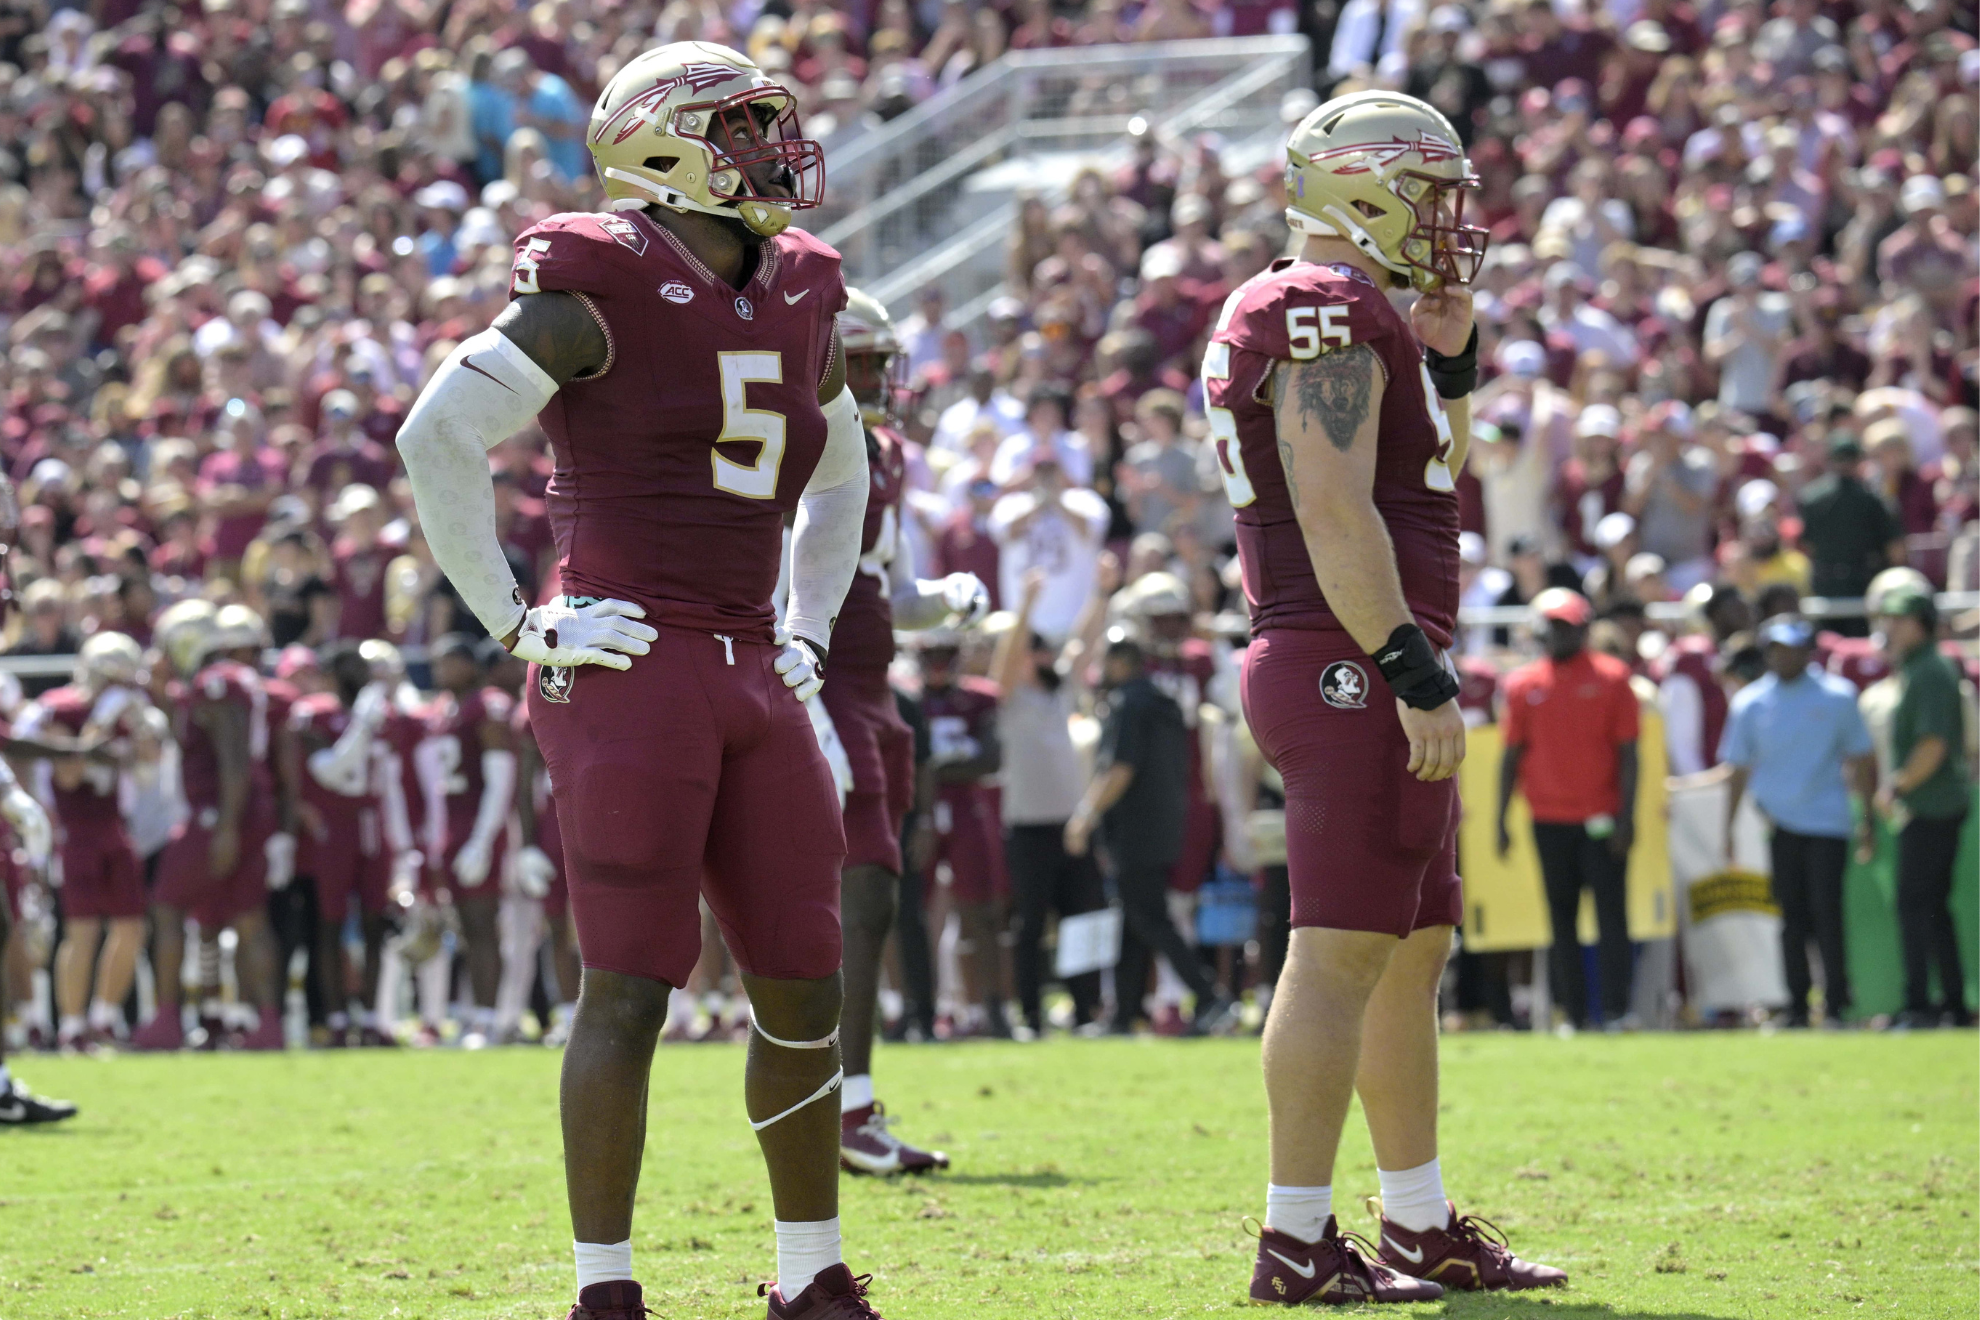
693	772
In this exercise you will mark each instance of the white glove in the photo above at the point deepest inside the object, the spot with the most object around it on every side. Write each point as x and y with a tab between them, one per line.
797	663
373	704
595	634
405	874
534	871
967	599
280	850
30	822
471	863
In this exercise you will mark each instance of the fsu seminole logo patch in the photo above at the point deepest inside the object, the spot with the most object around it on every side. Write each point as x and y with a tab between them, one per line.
555	682
1343	685
625	233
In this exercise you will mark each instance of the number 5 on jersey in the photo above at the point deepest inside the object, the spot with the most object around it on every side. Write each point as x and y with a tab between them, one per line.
1223	426
757	480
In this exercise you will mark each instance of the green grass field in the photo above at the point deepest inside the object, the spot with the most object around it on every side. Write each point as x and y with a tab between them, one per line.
1695	1176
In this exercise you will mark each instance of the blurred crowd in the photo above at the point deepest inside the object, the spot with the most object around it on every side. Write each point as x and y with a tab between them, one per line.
1728	314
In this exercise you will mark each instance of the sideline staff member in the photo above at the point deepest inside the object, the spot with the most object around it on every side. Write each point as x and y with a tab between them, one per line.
1928	749
1570	726
1798	738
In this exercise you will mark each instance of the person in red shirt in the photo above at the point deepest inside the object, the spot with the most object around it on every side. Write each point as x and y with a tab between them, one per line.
359	561
1569	721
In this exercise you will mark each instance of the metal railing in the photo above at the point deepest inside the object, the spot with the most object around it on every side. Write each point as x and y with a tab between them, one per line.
901	207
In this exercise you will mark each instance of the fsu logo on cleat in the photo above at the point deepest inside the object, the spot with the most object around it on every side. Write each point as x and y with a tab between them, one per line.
1344	686
555	682
744	310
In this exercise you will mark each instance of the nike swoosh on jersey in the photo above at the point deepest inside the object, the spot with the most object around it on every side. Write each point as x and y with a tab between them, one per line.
1413	1257
792	302
1303	1271
468	362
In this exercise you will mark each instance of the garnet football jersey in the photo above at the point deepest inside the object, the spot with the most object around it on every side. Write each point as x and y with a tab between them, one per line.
677	460
960	717
863	635
232	683
1296	311
319	720
449	759
85	791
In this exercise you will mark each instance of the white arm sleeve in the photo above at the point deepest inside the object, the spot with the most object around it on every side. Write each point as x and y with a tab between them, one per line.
1684	724
392	793
344	766
498	788
484	392
831	513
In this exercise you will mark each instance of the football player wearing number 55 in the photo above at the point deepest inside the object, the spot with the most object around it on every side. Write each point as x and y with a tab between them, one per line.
680	352
1338	423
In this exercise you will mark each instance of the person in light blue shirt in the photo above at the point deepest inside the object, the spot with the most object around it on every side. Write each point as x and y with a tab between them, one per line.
1796	739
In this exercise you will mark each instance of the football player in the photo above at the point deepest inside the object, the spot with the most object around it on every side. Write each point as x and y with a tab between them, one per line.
540	875
331	739
1338	423
215	869
102	883
467	776
885	595
681	354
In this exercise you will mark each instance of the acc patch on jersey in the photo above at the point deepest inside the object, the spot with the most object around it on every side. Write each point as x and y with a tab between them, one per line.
1343	685
555	682
676	292
625	232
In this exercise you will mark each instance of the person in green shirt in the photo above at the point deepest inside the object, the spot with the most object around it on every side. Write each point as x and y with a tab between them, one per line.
1928	756
1849	533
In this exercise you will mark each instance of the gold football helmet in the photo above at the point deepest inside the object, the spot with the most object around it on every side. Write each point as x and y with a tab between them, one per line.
186	633
876	367
1385	172
108	658
682	126
236	626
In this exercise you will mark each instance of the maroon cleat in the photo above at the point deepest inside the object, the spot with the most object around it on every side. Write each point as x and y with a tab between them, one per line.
866	1146
617	1300
834	1295
371	1038
1340	1267
267	1035
1470	1254
161	1033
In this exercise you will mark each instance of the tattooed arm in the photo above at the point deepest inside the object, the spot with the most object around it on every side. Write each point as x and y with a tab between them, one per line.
1328	412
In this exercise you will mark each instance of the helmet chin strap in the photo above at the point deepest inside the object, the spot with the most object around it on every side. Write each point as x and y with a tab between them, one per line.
1343	226
679	201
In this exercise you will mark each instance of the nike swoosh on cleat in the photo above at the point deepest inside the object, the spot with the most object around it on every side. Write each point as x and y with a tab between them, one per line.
13	1112
792	302
1413	1257
1303	1271
468	362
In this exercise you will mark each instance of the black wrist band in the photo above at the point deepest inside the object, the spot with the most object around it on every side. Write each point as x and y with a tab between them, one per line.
1414	673
1457	375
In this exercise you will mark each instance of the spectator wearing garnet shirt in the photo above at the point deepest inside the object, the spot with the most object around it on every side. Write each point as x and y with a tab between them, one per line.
344	455
358	563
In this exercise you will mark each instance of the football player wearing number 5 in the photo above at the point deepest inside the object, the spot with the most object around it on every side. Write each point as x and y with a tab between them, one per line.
1338	423
680	352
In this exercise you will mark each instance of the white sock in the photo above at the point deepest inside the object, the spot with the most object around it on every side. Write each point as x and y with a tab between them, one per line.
1299	1212
803	1250
856	1093
602	1262
103	1015
74	1024
680	1009
1415	1197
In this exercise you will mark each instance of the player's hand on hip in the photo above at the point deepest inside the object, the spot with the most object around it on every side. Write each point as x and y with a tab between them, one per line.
471	863
1436	739
534	871
797	663
1441	318
966	599
604	632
